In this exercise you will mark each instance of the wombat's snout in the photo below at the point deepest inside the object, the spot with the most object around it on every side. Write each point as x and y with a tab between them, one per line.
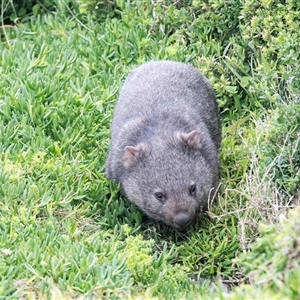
182	219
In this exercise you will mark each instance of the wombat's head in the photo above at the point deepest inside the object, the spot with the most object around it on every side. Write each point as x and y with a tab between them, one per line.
170	181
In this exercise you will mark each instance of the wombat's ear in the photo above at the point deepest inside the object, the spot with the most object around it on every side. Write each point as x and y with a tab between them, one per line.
192	139
132	154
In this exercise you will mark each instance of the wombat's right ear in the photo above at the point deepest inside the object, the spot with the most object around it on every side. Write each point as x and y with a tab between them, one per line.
132	154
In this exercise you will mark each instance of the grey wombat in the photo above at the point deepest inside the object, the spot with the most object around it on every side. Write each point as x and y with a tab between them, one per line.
165	137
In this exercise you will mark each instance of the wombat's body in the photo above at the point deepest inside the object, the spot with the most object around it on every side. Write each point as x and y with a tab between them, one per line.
165	138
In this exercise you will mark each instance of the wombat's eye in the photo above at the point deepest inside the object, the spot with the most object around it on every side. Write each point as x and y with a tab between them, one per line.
192	189
159	196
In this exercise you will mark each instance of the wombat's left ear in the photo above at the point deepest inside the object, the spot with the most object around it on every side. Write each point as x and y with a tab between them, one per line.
132	154
192	139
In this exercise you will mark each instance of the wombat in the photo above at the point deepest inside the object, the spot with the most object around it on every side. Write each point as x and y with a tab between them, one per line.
165	137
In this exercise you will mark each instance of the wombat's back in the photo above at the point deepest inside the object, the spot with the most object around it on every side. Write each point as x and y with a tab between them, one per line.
168	85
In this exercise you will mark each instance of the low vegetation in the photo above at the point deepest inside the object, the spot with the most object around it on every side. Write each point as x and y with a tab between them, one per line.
66	232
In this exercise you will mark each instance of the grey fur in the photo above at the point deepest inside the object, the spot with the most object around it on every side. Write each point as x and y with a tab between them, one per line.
165	137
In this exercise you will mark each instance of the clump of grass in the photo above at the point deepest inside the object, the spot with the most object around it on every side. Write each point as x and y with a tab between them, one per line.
272	264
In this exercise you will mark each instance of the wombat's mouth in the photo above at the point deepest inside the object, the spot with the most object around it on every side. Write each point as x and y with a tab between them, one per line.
182	229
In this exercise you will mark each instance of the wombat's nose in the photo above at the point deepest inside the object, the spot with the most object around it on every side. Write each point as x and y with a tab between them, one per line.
182	219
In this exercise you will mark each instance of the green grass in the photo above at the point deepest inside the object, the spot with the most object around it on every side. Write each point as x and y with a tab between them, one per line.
66	232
